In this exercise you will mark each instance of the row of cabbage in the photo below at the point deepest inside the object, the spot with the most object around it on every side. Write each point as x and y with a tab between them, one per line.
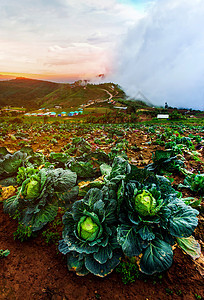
124	210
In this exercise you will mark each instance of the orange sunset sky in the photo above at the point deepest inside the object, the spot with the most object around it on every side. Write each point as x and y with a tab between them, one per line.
63	39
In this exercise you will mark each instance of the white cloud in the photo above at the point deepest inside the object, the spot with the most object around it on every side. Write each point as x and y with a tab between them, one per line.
163	55
77	57
41	35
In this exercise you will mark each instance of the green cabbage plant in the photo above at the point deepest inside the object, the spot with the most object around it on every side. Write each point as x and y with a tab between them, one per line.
151	219
135	212
89	236
165	161
40	195
9	163
194	182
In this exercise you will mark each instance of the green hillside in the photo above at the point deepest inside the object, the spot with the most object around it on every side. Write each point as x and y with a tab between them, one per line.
33	94
69	95
24	92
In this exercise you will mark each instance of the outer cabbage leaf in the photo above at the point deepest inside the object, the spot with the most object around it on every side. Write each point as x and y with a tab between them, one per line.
190	246
130	241
107	252
99	208
98	156
82	146
103	254
141	176
105	169
110	212
60	158
99	269
115	180
120	168
157	257
195	182
61	180
167	191
83	169
11	204
28	150
80	246
183	220
67	198
63	247
93	196
120	194
10	163
33	159
146	233
76	263
45	215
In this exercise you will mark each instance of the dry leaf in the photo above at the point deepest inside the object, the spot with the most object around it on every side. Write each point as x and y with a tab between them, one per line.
7	192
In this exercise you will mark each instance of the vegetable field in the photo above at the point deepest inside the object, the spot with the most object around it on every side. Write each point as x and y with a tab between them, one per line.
101	211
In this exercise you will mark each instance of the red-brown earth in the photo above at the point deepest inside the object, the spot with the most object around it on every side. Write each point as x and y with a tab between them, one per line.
35	269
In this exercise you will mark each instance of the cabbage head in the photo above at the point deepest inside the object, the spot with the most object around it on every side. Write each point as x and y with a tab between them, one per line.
89	236
88	229
145	204
32	189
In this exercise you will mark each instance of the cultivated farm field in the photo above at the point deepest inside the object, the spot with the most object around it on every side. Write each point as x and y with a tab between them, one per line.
101	211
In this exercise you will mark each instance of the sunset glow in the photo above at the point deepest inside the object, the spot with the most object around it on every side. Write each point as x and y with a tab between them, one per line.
153	46
49	77
59	40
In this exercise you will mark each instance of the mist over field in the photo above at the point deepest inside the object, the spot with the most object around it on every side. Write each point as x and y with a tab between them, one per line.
162	55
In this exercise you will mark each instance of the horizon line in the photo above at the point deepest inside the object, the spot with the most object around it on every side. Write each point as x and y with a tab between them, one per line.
59	78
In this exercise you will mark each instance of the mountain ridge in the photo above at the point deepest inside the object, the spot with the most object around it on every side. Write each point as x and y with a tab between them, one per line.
24	91
33	93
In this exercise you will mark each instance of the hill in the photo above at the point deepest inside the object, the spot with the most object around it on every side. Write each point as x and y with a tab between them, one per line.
25	92
33	94
69	95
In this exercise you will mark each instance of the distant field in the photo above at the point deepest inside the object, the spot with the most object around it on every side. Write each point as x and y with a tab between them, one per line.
97	110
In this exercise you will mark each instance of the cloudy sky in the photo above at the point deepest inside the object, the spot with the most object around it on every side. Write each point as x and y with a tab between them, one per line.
63	37
152	46
163	55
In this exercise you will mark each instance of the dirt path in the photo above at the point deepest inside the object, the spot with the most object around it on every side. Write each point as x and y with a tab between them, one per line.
110	95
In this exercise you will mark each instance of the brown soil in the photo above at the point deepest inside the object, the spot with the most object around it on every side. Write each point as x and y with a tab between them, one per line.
34	270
